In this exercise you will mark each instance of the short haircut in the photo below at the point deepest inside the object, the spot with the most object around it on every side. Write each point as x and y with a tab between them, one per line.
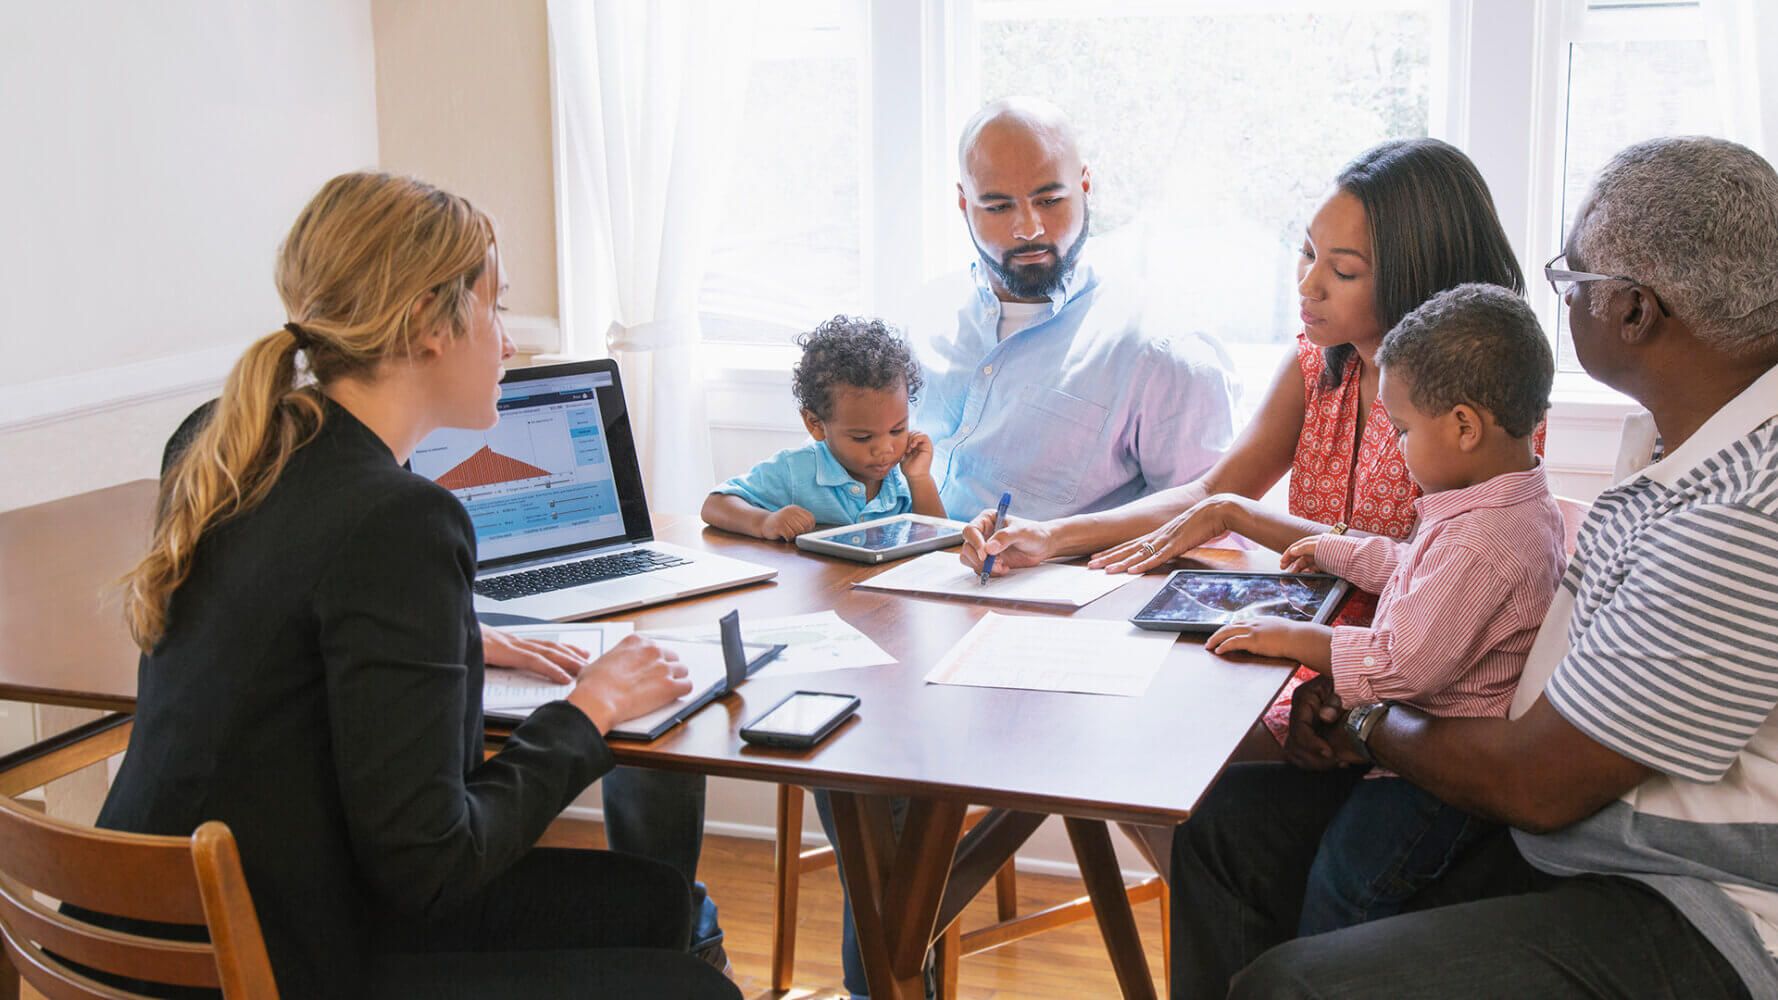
1433	227
1477	344
1695	219
851	351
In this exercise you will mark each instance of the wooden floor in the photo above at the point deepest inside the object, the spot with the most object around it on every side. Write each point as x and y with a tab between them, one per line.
1064	964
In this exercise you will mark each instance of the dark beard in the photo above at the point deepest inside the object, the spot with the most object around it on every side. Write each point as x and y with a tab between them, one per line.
1037	281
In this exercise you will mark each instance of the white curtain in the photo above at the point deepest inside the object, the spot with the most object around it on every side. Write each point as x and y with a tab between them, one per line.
648	97
1739	31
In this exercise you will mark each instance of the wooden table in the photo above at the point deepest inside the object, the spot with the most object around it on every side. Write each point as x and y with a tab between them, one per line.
62	636
1028	753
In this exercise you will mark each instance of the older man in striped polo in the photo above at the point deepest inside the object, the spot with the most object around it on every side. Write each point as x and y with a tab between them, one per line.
1639	765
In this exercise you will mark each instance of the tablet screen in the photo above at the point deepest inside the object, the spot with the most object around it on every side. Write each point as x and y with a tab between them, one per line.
1216	598
891	534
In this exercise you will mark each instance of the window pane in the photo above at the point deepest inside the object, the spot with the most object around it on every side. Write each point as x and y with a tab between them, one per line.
1211	136
1623	92
788	247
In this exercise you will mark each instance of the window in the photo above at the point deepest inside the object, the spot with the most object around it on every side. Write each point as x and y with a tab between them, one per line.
1626	71
788	251
1213	128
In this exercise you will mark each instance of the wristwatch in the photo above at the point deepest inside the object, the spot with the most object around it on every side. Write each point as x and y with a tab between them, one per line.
1340	528
1362	721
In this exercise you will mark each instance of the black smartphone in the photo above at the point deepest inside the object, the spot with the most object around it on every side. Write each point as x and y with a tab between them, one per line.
800	720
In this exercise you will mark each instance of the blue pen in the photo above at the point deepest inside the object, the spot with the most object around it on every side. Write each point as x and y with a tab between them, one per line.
999	522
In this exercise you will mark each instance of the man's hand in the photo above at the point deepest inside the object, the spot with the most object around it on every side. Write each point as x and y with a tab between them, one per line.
786	523
916	462
1316	739
1016	545
552	661
1304	642
1300	556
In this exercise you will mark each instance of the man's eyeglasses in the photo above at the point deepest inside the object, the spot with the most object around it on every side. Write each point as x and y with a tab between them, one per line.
1561	280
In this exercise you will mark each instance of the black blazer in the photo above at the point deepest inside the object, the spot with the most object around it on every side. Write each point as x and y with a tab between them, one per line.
319	690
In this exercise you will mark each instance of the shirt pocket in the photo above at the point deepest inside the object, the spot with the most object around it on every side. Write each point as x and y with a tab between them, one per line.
1052	438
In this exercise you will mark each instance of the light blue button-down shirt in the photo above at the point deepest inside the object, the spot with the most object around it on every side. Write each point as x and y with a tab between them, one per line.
1103	399
811	478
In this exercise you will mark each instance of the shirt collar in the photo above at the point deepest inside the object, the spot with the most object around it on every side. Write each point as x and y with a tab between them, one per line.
1738	418
828	470
1501	491
1079	281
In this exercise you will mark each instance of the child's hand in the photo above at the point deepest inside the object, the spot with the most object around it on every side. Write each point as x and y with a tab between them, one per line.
917	462
786	523
1303	642
1300	557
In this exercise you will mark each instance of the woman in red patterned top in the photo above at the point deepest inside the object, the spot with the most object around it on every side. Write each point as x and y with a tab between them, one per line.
1405	220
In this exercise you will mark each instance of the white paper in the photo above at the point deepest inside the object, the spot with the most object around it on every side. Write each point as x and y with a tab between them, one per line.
1038	653
1064	584
812	643
516	692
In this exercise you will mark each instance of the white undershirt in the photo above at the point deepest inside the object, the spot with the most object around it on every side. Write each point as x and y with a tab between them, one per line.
1015	316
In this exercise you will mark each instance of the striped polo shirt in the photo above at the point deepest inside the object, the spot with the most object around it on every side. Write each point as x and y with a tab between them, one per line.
1662	645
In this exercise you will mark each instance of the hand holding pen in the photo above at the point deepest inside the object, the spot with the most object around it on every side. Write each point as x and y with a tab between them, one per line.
999	522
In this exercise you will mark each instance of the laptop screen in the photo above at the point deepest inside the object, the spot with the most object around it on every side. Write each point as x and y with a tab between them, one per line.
557	472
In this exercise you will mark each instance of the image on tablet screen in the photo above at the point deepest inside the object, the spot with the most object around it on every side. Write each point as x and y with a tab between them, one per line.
892	534
1224	598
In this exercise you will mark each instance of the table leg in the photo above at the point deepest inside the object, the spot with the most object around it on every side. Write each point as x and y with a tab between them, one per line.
895	884
1117	924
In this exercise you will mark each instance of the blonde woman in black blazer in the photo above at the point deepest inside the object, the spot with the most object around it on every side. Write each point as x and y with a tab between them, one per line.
311	669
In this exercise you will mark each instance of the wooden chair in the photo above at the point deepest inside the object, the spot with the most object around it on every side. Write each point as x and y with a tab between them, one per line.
194	880
1574	514
791	862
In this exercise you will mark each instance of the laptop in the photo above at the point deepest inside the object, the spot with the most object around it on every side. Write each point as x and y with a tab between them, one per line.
553	489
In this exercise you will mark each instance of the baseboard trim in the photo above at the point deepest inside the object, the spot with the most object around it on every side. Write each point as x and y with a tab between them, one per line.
750	831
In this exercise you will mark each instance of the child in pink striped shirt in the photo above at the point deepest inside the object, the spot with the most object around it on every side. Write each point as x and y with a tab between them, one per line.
1465	379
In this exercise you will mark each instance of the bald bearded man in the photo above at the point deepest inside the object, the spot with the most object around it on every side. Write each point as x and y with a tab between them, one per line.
1071	389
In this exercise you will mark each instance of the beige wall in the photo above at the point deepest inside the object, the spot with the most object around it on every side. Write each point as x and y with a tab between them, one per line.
463	101
154	155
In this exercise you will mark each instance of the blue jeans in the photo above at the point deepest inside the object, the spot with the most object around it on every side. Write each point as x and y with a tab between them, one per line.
1386	842
1493	926
660	815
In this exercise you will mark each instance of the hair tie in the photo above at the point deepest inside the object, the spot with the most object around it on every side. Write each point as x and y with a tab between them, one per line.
303	340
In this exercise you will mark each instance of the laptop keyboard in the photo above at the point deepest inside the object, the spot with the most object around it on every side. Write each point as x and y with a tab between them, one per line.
564	575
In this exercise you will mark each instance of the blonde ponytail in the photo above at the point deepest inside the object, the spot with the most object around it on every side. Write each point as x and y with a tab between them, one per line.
372	262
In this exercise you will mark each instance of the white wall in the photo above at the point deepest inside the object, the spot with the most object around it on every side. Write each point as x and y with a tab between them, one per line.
155	155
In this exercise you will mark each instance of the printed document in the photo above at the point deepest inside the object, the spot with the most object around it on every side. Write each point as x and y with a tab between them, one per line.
1065	584
1037	653
516	692
812	643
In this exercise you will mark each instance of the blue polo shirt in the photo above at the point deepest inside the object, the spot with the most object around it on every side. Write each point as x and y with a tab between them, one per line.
811	478
1109	395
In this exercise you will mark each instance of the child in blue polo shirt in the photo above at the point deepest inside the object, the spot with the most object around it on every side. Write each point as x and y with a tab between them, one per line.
853	385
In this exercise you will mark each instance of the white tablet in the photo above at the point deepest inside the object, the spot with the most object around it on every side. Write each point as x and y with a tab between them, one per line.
885	540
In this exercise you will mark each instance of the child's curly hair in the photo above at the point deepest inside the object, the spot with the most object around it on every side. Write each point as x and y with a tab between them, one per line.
851	351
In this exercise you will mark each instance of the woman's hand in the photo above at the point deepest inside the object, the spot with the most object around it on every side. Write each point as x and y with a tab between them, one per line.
1204	521
1016	545
635	678
1300	556
916	462
557	662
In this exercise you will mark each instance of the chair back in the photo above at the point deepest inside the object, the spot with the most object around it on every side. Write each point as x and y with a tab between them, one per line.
195	881
1574	514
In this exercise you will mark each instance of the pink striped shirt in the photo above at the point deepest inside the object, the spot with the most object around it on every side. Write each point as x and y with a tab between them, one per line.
1460	602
